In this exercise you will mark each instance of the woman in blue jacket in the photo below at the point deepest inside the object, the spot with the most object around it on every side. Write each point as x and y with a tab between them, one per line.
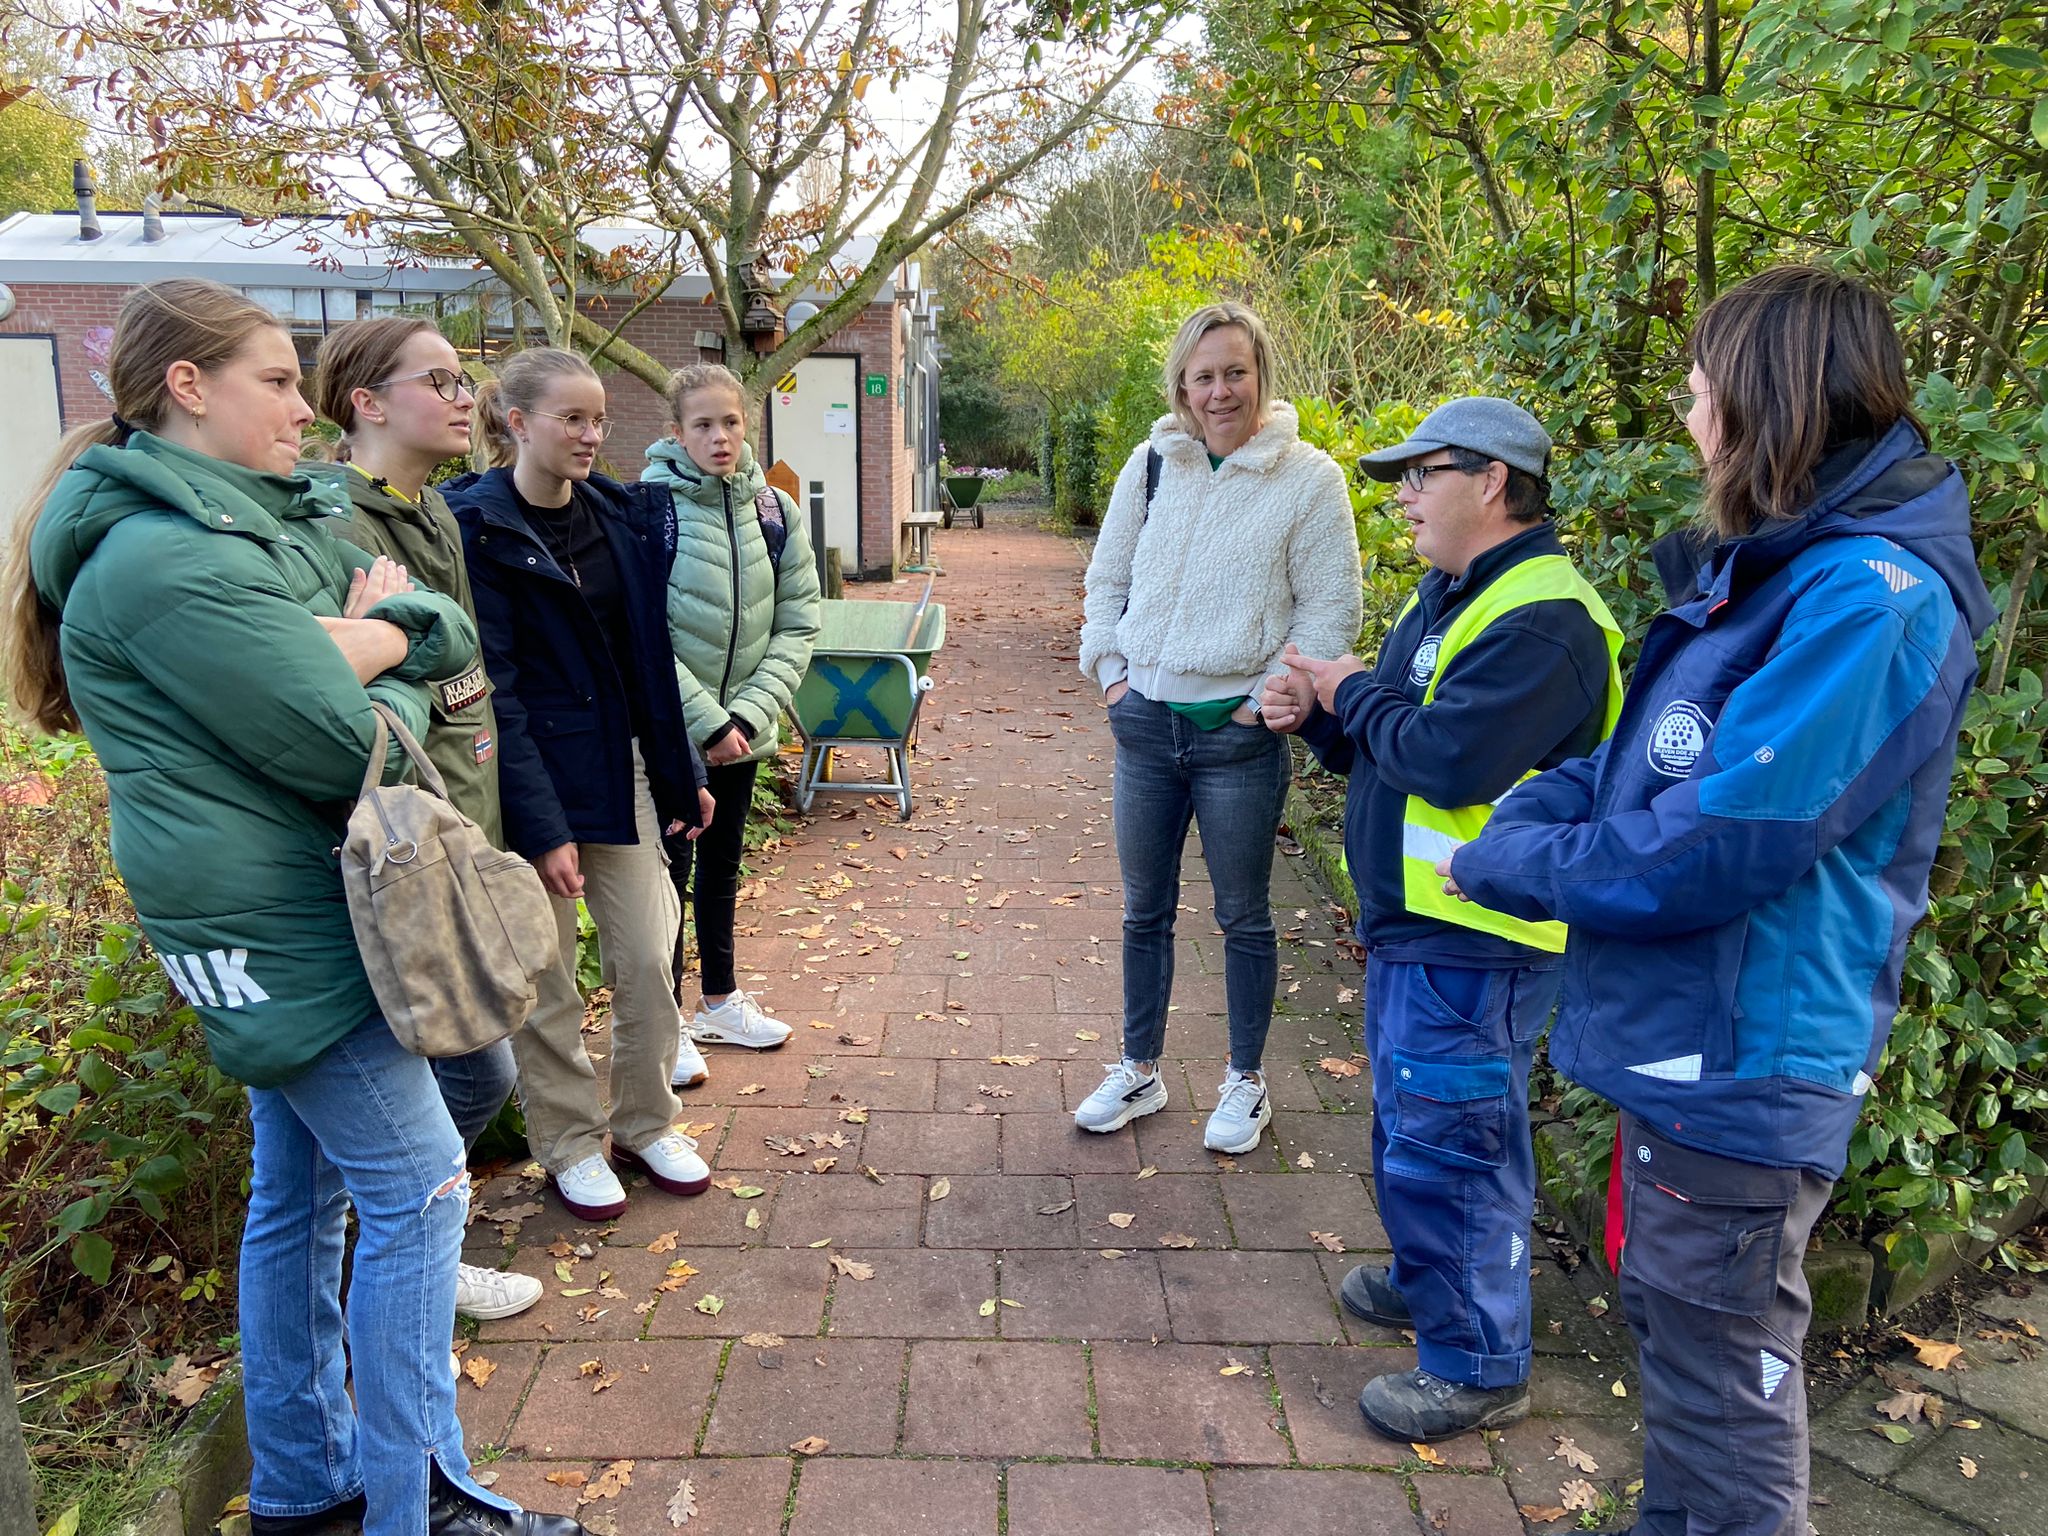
1741	863
569	572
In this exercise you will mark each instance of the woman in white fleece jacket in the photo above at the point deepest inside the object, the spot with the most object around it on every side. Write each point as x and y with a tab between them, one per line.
1227	539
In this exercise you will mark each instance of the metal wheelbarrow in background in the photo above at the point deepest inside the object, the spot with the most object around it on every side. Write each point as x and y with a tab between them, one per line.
866	682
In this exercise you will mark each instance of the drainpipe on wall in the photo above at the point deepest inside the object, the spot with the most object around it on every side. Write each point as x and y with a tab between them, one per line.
152	220
82	189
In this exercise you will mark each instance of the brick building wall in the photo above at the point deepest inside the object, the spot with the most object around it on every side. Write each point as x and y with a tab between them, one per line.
81	317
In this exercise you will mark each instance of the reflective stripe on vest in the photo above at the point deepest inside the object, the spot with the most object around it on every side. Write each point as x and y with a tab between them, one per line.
1429	833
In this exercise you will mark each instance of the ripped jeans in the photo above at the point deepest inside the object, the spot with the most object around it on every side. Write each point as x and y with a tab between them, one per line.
364	1126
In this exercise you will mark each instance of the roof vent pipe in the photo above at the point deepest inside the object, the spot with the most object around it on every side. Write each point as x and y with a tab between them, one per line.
152	219
82	188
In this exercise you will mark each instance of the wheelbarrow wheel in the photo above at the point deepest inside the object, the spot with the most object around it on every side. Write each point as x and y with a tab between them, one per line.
977	514
945	517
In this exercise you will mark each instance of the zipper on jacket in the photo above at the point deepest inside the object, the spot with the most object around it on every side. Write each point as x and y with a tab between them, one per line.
732	639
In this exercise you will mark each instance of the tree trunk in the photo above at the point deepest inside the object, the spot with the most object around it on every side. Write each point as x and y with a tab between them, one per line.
17	1479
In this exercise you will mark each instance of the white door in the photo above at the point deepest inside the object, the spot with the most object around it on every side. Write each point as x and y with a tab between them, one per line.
814	426
29	421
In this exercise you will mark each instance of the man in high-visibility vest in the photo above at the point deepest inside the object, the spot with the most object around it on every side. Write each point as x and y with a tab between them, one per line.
1501	664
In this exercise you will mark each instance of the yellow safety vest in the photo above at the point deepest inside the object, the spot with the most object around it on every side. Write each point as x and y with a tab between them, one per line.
1430	833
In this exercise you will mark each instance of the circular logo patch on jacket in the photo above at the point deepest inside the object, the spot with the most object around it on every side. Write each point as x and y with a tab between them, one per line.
1678	738
1423	667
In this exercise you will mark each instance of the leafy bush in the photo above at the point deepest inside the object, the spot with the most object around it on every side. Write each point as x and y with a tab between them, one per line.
122	1150
1074	457
1614	192
1048	455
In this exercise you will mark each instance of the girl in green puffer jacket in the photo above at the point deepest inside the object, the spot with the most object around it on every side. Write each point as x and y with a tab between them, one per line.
742	620
173	588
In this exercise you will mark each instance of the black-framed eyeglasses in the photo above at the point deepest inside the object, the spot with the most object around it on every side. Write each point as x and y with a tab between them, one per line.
1416	476
449	386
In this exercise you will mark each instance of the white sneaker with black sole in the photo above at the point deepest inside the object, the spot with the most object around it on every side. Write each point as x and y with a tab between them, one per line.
1241	1114
1128	1092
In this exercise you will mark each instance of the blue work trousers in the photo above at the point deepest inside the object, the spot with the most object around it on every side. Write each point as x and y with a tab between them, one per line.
1452	1164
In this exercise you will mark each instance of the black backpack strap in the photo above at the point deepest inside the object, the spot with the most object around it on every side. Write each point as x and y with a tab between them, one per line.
774	528
1153	464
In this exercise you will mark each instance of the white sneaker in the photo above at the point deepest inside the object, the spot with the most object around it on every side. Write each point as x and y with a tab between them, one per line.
488	1293
1241	1113
672	1163
691	1068
590	1189
738	1021
1124	1095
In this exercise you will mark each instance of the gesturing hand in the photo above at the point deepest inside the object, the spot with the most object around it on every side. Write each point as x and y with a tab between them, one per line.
366	589
1450	881
1286	698
707	807
1323	676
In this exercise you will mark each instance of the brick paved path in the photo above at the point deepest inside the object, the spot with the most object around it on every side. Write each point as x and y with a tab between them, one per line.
990	1321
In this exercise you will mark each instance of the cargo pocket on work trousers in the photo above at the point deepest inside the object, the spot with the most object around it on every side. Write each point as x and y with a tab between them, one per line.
1451	1110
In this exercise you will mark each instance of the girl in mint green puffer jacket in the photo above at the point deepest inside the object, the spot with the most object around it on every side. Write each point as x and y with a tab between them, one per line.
742	619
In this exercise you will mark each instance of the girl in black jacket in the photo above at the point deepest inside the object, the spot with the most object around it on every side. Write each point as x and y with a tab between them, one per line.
569	571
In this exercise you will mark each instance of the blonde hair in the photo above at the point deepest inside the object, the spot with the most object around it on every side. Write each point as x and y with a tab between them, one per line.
1192	330
177	320
687	380
358	355
523	378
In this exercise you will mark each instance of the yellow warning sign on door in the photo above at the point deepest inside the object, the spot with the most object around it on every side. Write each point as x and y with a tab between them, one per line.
786	385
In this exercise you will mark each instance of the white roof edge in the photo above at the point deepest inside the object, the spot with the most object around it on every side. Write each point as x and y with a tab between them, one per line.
45	248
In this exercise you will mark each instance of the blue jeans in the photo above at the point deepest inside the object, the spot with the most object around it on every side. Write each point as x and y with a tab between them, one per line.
364	1126
1232	782
475	1087
1452	1164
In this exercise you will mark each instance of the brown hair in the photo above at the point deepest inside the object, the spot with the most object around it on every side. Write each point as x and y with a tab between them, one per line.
1192	330
180	319
359	355
687	380
1800	361
522	380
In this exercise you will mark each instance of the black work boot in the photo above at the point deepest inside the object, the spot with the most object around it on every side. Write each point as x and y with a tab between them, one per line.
1419	1407
452	1512
1368	1292
348	1513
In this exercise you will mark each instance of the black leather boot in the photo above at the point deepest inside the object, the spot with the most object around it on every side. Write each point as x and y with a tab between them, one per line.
452	1512
317	1524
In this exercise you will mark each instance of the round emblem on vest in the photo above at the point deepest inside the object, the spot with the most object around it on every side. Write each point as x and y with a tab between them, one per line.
1423	667
1642	1154
1678	738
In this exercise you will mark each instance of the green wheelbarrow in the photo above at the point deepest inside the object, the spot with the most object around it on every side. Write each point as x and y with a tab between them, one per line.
866	682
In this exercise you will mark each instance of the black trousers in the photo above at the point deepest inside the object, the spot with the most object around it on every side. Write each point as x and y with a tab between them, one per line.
1714	1291
715	860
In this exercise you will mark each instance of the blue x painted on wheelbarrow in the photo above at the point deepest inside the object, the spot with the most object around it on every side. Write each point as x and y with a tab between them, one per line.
853	695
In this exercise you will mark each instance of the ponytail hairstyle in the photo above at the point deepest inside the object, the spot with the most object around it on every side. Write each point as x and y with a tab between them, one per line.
179	319
522	380
1799	361
686	381
358	355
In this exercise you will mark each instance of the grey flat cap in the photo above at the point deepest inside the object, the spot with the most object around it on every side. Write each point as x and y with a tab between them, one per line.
1500	429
